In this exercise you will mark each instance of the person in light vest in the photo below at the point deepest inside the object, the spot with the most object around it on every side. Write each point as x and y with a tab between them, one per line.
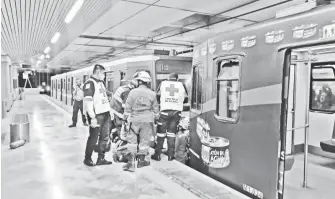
118	104
98	109
171	94
78	96
141	110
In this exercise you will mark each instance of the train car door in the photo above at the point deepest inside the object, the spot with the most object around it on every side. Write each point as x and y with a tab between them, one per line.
198	127
68	93
72	83
65	91
61	89
52	88
109	81
310	122
85	78
123	78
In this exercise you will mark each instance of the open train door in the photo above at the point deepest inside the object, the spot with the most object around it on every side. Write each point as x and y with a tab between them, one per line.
109	81
310	117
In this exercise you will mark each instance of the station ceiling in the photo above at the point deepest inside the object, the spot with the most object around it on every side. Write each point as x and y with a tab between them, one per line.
111	29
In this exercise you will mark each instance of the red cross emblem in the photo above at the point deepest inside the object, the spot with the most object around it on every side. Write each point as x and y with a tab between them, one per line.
172	90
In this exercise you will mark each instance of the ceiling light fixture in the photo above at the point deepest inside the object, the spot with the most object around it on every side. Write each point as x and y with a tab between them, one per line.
47	56
55	37
72	13
41	57
47	50
39	61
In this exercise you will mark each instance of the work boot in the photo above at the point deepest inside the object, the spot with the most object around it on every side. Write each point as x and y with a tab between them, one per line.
72	125
130	165
156	157
142	162
170	158
101	161
88	162
115	158
171	148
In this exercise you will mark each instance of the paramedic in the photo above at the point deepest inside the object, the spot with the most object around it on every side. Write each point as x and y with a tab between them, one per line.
140	112
118	103
78	96
97	109
171	94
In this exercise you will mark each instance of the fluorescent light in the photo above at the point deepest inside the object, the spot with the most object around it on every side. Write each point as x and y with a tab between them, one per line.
72	13
47	49
55	37
39	61
41	57
47	56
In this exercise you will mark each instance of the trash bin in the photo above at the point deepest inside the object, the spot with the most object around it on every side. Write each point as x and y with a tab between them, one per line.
19	128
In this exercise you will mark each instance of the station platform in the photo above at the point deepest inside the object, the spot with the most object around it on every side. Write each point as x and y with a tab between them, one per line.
51	164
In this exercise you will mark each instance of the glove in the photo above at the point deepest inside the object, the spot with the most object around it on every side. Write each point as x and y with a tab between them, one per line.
94	123
112	115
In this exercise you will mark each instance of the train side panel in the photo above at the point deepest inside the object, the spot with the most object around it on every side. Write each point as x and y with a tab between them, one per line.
240	149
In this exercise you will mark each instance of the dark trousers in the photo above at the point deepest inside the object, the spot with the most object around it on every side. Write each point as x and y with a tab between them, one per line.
167	126
101	132
78	105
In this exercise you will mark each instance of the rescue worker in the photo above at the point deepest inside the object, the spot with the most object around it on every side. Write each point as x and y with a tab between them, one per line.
141	110
78	96
171	94
97	108
182	140
118	103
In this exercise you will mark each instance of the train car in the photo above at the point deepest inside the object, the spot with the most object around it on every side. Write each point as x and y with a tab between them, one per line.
242	130
118	73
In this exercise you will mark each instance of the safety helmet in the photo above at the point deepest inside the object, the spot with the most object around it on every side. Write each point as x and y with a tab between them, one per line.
133	83
143	76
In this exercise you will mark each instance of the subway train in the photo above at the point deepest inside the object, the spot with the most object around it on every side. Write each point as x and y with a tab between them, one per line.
119	72
254	99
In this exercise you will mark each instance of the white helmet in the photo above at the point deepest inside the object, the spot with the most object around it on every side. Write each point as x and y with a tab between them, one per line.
143	76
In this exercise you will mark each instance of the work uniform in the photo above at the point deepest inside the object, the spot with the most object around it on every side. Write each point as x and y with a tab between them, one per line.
78	96
171	94
141	110
95	89
117	105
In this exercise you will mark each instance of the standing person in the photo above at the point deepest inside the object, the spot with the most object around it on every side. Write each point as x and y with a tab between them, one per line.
98	114
141	110
78	96
171	94
118	104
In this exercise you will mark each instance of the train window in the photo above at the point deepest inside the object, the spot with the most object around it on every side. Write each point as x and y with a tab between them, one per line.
197	83
228	89
322	93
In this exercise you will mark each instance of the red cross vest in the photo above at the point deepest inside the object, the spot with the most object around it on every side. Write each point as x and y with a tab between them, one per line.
172	95
100	99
